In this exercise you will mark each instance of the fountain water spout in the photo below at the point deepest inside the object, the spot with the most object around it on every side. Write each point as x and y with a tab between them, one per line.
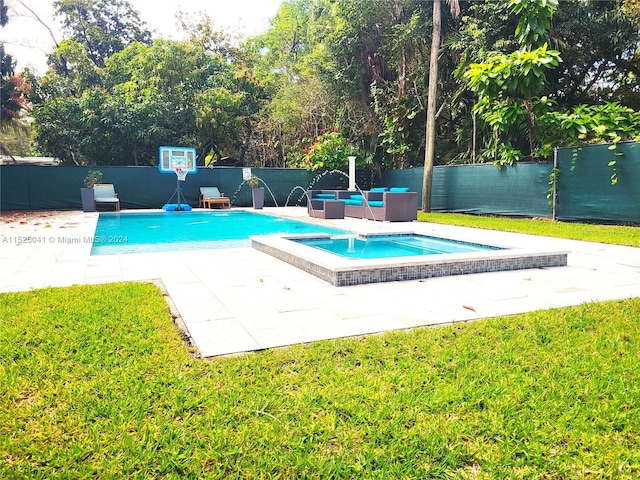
235	194
353	186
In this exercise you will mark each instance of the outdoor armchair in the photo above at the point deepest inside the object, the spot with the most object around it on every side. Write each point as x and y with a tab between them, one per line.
105	194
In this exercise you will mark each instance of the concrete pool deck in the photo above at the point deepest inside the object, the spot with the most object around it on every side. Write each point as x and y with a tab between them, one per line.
237	300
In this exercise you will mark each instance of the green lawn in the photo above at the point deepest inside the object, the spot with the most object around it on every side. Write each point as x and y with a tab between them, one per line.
96	381
614	234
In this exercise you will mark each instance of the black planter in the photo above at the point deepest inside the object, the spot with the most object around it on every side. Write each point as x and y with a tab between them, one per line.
88	204
258	197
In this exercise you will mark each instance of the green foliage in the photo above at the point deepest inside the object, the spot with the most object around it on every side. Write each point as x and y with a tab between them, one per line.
401	133
254	181
219	117
518	75
510	89
329	150
597	66
598	43
15	130
169	93
96	382
77	71
103	27
10	109
535	20
93	177
552	196
584	124
358	64
588	124
293	61
379	66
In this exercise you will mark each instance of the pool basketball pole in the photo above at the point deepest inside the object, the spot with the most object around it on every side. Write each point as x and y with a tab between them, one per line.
180	177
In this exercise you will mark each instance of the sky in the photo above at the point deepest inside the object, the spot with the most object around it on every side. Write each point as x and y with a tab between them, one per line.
28	41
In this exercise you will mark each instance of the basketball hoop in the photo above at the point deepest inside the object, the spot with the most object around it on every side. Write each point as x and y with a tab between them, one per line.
182	174
181	161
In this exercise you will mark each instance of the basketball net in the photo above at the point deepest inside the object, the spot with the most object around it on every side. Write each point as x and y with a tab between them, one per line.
182	174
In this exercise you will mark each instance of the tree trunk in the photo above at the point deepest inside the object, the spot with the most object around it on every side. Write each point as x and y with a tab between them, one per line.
431	109
402	74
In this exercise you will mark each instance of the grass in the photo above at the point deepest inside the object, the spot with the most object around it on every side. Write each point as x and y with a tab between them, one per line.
95	382
612	234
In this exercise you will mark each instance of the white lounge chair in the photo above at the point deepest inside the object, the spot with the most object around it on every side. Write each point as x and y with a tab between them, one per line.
104	193
212	196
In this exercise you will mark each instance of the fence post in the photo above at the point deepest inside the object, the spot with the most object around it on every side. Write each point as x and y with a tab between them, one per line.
554	200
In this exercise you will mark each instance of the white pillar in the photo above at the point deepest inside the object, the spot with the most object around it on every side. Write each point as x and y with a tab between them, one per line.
352	173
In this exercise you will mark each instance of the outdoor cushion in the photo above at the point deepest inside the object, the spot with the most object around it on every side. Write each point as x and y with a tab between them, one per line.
379	189
349	201
356	197
210	192
399	189
330	196
375	203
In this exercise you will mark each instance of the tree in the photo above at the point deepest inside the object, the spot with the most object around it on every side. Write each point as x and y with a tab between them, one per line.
13	100
598	40
375	66
511	86
398	100
104	27
511	92
13	90
297	103
431	103
354	64
168	93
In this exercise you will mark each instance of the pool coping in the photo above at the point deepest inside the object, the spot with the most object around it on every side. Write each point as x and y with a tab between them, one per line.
340	271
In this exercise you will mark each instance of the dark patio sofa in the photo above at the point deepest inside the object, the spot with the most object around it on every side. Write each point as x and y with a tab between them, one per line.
396	204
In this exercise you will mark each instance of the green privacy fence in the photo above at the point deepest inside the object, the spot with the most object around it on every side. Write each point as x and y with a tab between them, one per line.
584	188
29	187
520	190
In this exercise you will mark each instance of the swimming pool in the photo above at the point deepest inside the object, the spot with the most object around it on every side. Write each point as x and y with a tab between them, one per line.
388	246
120	233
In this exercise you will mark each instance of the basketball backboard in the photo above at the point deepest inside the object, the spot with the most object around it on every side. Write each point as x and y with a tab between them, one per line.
171	158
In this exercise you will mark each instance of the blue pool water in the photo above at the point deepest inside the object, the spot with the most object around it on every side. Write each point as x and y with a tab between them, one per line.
118	233
387	246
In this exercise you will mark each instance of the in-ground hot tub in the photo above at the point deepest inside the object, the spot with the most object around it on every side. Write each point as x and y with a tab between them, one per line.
390	246
372	258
